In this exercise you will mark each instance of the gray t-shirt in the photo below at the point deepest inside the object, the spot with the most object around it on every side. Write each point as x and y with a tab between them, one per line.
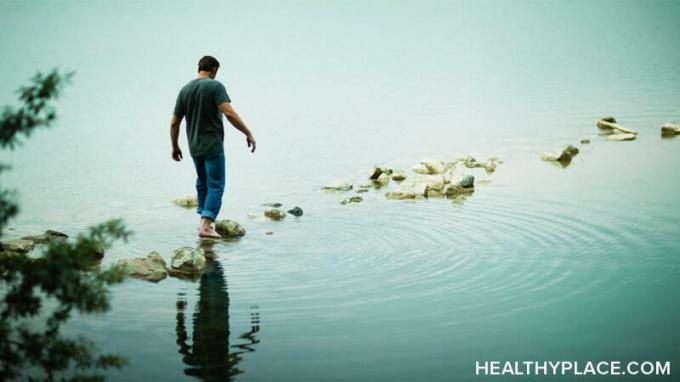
199	101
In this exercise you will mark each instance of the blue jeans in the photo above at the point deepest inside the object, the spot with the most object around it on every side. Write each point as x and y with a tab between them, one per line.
209	184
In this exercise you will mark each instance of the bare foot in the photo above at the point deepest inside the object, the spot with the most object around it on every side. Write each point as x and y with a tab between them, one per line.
208	233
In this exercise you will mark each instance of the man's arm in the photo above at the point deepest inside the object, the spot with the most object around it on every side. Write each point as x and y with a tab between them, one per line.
174	137
237	122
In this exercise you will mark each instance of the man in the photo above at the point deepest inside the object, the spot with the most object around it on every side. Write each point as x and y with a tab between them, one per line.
203	101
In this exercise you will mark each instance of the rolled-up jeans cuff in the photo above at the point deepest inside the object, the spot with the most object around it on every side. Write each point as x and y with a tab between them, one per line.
208	215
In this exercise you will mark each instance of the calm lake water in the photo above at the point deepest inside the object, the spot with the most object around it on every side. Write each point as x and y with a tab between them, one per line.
542	263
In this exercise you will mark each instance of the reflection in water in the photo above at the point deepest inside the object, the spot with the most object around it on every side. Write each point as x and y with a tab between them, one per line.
209	357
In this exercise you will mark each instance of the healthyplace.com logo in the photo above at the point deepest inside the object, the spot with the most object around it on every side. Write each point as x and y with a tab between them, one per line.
543	368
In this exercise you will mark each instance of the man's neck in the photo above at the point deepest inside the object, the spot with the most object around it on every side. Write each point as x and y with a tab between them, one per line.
203	74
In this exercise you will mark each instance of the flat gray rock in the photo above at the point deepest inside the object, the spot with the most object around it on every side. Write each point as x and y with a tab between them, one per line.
150	268
187	262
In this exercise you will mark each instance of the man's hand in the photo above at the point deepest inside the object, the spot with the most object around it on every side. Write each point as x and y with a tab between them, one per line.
177	154
237	122
251	143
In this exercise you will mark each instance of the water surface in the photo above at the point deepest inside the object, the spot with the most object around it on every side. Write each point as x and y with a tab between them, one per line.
542	263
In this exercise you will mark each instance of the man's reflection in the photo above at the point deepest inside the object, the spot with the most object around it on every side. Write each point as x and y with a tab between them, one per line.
209	357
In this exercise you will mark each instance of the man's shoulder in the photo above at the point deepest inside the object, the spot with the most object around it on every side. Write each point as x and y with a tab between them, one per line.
213	83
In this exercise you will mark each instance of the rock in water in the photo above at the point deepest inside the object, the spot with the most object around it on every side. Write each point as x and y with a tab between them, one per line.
420	169
467	181
341	185
187	201
490	166
229	228
609	119
187	262
377	171
564	156
434	182
430	166
571	150
382	180
46	237
670	129
274	214
408	190
150	268
18	245
353	199
398	176
295	211
621	137
585	141
471	162
452	190
458	177
613	126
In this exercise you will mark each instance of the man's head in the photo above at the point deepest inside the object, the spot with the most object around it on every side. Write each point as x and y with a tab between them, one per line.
209	64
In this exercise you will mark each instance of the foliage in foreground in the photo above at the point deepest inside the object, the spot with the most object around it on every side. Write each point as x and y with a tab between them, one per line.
39	294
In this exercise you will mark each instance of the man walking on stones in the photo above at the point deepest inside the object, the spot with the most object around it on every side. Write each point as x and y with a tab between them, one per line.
203	101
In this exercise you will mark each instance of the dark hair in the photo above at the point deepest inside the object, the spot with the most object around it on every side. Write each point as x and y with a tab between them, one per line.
208	64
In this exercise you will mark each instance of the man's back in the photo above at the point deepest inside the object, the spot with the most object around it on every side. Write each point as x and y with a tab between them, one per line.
198	101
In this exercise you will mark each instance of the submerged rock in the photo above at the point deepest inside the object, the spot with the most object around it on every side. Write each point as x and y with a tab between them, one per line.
408	190
150	268
274	213
296	211
341	185
46	237
398	176
621	137
585	141
609	119
229	228
187	201
187	262
353	199
362	190
670	129
17	245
